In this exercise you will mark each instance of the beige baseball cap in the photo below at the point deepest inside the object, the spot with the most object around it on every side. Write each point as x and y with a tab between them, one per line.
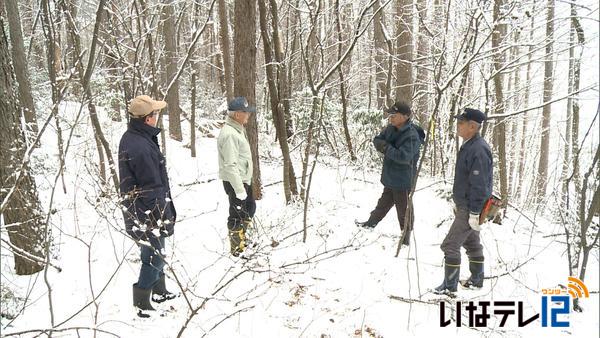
143	105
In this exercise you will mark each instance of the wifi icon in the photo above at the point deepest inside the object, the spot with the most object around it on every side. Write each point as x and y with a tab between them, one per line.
577	288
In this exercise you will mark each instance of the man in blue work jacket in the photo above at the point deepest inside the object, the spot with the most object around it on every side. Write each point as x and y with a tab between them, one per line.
148	209
473	180
400	143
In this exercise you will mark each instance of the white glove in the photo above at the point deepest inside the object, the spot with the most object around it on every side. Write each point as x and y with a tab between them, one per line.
241	196
474	221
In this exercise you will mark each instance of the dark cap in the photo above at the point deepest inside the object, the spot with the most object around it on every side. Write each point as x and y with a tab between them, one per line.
399	108
240	104
471	114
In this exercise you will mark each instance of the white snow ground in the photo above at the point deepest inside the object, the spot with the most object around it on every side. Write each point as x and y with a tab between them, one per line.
337	284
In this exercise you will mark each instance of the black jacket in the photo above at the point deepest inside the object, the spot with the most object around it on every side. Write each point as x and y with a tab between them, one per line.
473	175
144	185
401	155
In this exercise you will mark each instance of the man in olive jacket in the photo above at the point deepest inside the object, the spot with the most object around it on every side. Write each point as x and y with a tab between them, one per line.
148	210
235	169
400	143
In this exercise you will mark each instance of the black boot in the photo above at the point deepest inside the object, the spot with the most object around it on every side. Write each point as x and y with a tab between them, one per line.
366	224
476	279
451	274
160	292
141	301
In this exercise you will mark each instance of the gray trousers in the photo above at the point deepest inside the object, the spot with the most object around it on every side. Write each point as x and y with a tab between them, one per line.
461	234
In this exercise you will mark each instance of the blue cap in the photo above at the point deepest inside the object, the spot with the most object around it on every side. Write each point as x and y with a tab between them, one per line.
240	104
471	114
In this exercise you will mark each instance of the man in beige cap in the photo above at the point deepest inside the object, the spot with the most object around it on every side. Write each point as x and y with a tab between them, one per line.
148	209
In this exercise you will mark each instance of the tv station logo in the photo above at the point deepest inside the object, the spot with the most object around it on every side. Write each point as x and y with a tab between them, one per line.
554	303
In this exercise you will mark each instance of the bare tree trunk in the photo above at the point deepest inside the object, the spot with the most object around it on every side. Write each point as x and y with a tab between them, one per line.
193	116
312	171
521	154
404	82
23	214
514	125
276	106
575	100
225	49
569	118
69	8
500	127
342	84
284	94
581	239
292	52
542	172
30	19
171	58
314	43
110	59
244	76
421	108
380	51
20	64
456	100
101	161
219	62
585	220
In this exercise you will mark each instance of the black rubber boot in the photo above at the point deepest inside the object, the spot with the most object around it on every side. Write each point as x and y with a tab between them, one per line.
160	292
451	274
141	301
366	224
477	274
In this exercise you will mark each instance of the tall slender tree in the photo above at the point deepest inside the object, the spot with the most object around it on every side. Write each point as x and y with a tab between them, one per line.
379	57
20	63
420	107
500	128
404	81
343	90
542	172
21	212
244	75
225	49
172	98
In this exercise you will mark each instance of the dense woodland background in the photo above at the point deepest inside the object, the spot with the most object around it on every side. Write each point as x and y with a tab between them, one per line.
320	72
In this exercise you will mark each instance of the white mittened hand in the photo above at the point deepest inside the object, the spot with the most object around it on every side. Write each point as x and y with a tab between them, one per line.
474	221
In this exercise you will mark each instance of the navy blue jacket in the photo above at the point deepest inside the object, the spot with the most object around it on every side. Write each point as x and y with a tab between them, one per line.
401	155
473	175
144	185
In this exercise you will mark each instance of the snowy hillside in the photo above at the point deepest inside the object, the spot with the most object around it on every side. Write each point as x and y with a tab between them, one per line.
343	282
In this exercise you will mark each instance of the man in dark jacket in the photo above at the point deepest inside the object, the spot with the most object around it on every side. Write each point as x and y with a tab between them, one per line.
148	210
473	180
400	142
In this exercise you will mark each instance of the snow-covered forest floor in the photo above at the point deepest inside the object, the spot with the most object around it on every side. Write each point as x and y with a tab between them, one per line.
342	282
